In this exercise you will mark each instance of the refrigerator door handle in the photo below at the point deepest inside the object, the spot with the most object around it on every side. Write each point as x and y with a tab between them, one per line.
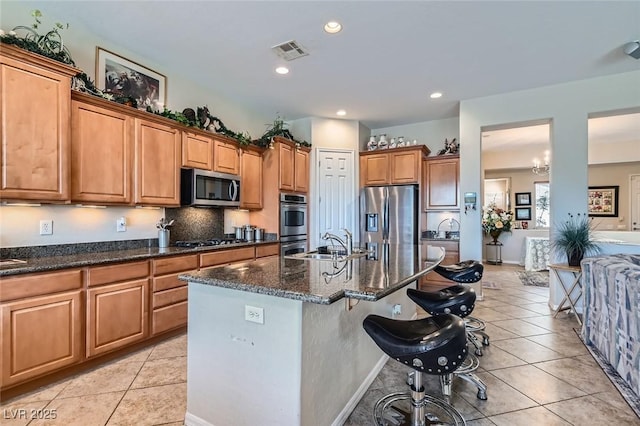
385	217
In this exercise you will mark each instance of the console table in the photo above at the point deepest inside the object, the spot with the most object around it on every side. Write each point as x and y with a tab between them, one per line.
568	289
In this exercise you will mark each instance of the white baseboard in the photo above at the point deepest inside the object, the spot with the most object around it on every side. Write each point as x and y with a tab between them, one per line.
353	402
192	420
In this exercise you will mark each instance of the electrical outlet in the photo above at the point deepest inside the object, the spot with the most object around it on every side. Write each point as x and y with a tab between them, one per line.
121	224
253	314
46	227
397	309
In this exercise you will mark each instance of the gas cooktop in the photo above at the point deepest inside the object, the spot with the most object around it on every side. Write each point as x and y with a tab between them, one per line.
205	243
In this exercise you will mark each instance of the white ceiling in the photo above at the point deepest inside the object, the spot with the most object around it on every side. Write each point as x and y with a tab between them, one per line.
384	64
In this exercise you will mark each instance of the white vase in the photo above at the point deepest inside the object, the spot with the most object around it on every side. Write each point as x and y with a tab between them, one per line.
383	144
372	144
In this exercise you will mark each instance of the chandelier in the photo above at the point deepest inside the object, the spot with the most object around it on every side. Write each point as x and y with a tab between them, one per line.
541	169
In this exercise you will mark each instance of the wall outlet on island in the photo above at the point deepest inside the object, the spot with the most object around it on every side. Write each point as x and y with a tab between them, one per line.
253	314
397	309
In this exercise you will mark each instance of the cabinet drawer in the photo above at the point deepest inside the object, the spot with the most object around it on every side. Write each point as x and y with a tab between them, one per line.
169	317
114	273
19	287
167	282
267	250
175	264
226	256
169	297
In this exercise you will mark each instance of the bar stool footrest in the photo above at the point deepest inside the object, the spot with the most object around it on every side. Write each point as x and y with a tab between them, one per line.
396	410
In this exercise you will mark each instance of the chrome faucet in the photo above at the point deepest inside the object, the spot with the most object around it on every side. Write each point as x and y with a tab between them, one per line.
347	245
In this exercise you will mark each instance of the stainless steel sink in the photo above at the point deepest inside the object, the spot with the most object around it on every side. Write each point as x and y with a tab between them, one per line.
315	255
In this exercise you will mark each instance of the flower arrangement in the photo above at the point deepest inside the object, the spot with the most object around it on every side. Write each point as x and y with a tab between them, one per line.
573	237
496	220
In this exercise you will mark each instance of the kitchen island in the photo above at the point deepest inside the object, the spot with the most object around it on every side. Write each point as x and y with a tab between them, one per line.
280	341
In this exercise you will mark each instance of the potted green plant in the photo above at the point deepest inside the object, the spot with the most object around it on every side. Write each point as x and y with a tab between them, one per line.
573	237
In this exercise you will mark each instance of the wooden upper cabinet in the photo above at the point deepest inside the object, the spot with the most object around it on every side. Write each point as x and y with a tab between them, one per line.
225	157
374	169
250	179
301	167
197	151
101	154
292	165
287	164
157	164
392	167
35	126
442	183
405	166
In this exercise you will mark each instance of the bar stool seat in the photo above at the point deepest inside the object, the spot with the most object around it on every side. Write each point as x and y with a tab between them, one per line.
435	345
468	271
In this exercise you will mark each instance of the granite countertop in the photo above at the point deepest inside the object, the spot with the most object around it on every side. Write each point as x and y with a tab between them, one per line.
369	277
51	263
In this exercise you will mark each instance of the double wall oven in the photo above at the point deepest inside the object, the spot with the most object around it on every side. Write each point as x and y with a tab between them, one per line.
293	224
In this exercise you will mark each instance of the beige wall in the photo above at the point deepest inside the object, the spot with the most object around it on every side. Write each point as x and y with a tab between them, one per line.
523	180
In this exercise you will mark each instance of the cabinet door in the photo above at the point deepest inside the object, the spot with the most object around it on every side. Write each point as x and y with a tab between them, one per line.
251	180
157	159
35	121
225	158
40	335
287	170
101	154
301	166
375	169
117	315
405	167
197	151
441	184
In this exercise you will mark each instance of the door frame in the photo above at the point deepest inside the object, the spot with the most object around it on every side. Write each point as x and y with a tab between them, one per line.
631	176
314	218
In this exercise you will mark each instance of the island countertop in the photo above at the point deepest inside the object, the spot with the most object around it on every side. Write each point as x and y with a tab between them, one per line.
371	277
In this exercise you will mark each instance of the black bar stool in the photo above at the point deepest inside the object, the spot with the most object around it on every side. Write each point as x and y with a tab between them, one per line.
467	272
457	300
435	345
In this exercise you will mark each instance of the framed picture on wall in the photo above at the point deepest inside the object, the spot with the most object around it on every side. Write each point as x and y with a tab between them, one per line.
523	198
603	201
523	213
123	78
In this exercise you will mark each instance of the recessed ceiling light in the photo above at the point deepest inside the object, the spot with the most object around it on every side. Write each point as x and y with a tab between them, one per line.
333	27
341	112
282	70
436	95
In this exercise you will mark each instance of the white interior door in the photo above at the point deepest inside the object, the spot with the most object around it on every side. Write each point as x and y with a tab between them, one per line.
337	201
635	202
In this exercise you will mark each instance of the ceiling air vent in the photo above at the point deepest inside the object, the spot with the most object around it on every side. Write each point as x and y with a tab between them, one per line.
290	50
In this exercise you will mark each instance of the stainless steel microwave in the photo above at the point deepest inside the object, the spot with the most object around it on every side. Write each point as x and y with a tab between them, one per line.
201	188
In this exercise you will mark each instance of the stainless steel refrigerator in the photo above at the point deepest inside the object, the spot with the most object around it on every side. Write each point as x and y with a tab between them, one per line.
389	214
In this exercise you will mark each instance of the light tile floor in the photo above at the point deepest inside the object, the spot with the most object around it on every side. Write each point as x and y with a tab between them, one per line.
536	369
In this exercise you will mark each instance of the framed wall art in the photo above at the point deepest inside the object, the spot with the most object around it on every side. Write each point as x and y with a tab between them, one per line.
123	78
523	213
603	201
523	198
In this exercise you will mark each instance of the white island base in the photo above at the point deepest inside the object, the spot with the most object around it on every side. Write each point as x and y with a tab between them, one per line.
308	364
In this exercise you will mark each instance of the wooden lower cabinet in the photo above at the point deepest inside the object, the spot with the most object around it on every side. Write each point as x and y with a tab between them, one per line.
451	256
117	315
169	317
40	335
267	250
